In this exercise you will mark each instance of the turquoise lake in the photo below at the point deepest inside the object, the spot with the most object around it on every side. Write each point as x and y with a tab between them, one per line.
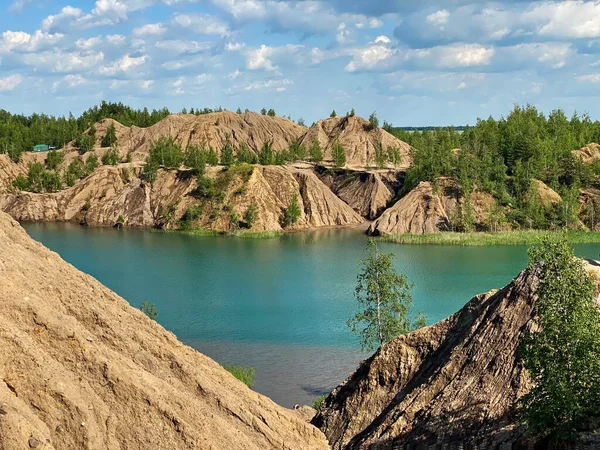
279	305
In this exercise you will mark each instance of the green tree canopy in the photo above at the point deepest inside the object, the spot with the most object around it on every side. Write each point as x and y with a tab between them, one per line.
384	301
562	355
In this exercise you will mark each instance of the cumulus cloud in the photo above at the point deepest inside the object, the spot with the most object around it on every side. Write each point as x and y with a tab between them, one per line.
61	21
123	65
150	29
268	58
201	24
20	41
439	18
10	83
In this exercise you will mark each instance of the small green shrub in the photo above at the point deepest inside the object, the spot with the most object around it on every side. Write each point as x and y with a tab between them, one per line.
246	375
250	215
318	402
149	309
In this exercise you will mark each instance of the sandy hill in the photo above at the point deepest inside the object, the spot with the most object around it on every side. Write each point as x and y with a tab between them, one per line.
452	385
357	137
81	369
249	129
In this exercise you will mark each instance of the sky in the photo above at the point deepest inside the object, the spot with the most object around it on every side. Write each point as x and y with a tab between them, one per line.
415	63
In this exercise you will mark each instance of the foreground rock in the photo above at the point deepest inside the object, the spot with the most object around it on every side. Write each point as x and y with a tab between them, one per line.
80	368
454	384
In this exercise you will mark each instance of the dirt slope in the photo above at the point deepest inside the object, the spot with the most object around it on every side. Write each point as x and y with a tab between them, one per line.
358	139
81	369
451	385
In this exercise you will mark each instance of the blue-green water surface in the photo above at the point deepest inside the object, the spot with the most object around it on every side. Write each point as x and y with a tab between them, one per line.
279	305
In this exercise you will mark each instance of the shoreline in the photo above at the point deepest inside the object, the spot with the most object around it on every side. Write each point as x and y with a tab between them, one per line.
487	239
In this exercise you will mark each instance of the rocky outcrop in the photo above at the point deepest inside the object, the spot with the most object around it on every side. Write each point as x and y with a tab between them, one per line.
358	138
115	195
452	385
80	368
589	153
431	208
546	194
368	193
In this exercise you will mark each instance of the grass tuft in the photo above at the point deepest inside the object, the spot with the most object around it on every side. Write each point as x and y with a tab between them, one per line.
246	375
478	239
242	234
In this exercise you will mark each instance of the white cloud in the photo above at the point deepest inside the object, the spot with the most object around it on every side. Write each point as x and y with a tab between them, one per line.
462	85
61	21
178	47
592	78
277	85
150	29
368	57
18	5
10	83
201	24
234	75
267	58
19	41
439	18
145	84
572	18
125	64
383	40
116	39
87	44
70	80
375	23
234	46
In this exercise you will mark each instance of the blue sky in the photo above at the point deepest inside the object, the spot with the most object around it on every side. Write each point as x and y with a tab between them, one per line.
414	62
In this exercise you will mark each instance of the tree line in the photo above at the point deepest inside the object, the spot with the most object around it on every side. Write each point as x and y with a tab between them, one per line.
504	158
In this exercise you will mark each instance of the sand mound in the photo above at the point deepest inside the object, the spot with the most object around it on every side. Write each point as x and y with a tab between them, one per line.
80	368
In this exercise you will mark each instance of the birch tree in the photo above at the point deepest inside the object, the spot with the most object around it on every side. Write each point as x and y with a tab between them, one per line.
384	301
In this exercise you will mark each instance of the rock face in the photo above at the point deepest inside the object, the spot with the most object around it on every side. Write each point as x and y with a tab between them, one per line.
358	139
451	385
116	195
80	368
366	192
429	208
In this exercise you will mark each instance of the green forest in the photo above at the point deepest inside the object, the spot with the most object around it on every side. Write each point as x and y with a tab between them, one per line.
503	157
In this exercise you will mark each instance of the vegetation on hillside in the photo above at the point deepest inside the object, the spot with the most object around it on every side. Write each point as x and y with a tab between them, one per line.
246	375
562	354
503	157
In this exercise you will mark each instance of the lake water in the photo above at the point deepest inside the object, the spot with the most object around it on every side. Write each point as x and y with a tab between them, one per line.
279	305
